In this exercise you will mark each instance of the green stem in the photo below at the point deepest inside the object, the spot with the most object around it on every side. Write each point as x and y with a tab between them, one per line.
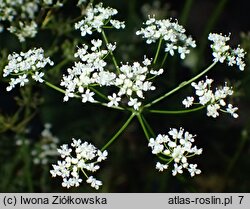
111	53
77	96
164	59
158	50
54	87
149	128
84	173
143	126
99	93
181	86
113	107
108	27
146	127
177	111
118	132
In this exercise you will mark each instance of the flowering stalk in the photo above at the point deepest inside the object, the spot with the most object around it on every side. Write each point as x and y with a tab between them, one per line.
158	50
164	59
143	125
110	51
113	107
118	132
77	96
183	84
177	111
54	87
148	131
148	127
99	93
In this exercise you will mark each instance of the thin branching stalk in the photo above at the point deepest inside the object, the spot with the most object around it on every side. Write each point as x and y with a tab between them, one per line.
181	86
118	132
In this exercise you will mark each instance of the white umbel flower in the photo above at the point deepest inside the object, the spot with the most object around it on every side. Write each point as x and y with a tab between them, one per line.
193	170
21	66
176	147
161	167
94	183
81	156
215	101
170	32
188	102
232	110
96	18
224	53
114	100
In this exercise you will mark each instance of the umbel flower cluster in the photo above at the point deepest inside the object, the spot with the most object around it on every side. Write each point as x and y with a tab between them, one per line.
80	157
224	53
123	86
176	147
213	100
96	18
171	32
25	65
131	80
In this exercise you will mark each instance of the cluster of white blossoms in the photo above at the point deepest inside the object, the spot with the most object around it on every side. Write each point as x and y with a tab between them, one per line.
87	72
176	147
96	18
80	157
131	80
224	53
46	148
171	32
24	65
21	14
214	100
